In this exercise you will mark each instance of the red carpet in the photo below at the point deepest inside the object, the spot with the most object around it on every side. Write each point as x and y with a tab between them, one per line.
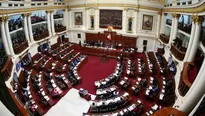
192	74
95	70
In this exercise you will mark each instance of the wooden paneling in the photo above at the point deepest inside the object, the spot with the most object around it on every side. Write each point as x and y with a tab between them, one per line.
7	68
124	40
21	108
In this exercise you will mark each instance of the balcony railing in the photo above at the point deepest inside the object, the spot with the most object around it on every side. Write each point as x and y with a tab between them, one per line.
179	54
60	29
41	36
20	47
184	83
57	16
164	38
7	68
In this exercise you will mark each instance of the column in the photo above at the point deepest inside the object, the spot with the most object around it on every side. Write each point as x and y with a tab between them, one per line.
87	19
194	46
3	34
172	28
158	23
175	26
8	36
135	24
30	27
69	19
191	38
49	23
124	23
52	23
25	26
163	23
195	92
96	23
65	18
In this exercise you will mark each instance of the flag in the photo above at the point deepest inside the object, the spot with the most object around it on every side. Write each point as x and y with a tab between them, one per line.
109	36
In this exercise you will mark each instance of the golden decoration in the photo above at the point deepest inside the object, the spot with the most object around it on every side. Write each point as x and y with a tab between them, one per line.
110	28
22	10
197	9
6	18
199	19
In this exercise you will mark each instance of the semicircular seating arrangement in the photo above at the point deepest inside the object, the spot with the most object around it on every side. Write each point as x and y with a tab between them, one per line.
137	86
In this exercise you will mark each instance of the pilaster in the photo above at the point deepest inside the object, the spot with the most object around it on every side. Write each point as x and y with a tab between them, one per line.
25	26
52	23
8	36
193	28
198	20
3	34
30	27
48	12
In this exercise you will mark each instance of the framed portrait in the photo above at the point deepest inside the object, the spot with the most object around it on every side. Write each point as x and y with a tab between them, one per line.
78	18
147	22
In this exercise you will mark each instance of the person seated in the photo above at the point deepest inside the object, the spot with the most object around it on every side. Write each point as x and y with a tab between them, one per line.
54	92
155	91
143	83
82	92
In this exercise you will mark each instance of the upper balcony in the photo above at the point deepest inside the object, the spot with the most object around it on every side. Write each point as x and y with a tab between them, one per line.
178	51
184	83
164	38
33	3
182	3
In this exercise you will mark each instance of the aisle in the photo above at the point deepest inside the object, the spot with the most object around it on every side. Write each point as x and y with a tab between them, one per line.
95	70
70	105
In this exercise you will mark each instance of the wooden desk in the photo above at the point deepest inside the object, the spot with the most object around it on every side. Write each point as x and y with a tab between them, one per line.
60	29
7	68
41	36
166	111
177	53
112	53
184	83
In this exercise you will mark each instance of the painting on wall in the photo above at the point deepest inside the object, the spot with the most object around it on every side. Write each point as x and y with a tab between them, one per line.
147	22
78	18
110	18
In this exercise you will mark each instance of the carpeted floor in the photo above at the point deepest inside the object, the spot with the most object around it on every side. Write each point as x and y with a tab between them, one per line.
94	70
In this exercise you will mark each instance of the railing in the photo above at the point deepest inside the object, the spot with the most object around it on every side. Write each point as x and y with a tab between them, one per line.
184	83
60	29
177	52
184	3
41	36
21	3
7	68
164	38
20	47
57	16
